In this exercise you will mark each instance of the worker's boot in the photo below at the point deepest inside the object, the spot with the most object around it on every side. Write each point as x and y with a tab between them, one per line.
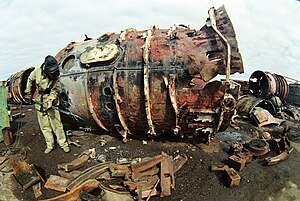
48	150
66	149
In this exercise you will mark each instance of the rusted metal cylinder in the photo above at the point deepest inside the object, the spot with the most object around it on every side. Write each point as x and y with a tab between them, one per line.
156	80
264	84
16	85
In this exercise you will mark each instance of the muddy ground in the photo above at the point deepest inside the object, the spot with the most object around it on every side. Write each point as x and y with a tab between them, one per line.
194	181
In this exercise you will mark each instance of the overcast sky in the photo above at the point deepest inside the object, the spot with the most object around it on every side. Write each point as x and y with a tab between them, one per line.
268	32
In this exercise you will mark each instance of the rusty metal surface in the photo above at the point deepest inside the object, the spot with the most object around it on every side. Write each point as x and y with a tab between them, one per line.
276	159
248	102
263	84
75	164
145	165
258	147
16	85
74	194
167	180
57	183
264	117
26	174
90	173
232	178
152	80
236	162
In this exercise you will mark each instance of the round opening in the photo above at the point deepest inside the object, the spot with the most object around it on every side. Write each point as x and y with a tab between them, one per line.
107	91
110	106
68	62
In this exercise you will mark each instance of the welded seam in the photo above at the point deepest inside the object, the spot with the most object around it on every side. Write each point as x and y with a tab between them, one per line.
90	105
118	100
146	52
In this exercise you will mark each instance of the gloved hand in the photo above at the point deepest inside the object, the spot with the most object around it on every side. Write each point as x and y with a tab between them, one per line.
47	105
28	98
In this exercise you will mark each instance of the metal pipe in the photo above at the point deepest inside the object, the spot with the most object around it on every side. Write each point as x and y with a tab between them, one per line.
214	26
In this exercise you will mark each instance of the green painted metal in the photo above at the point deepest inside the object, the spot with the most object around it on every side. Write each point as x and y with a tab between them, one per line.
4	119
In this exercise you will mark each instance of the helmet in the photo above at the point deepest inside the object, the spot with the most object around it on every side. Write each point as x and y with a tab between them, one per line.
51	68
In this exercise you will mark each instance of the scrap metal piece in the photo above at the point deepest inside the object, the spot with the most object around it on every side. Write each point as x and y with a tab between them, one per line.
248	102
258	147
167	180
26	174
57	183
75	164
247	156
136	176
87	186
69	175
280	143
109	194
145	165
236	162
148	183
217	168
90	173
276	159
264	117
118	170
232	178
178	162
37	190
236	148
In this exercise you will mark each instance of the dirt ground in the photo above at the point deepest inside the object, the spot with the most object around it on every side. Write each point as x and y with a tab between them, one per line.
194	181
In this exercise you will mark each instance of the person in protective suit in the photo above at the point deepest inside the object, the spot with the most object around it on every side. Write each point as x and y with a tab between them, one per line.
46	78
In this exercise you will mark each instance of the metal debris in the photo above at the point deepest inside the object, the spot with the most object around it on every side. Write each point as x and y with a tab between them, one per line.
77	163
264	117
69	175
276	159
74	194
258	147
217	168
57	183
37	190
248	102
90	173
26	174
232	178
236	162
